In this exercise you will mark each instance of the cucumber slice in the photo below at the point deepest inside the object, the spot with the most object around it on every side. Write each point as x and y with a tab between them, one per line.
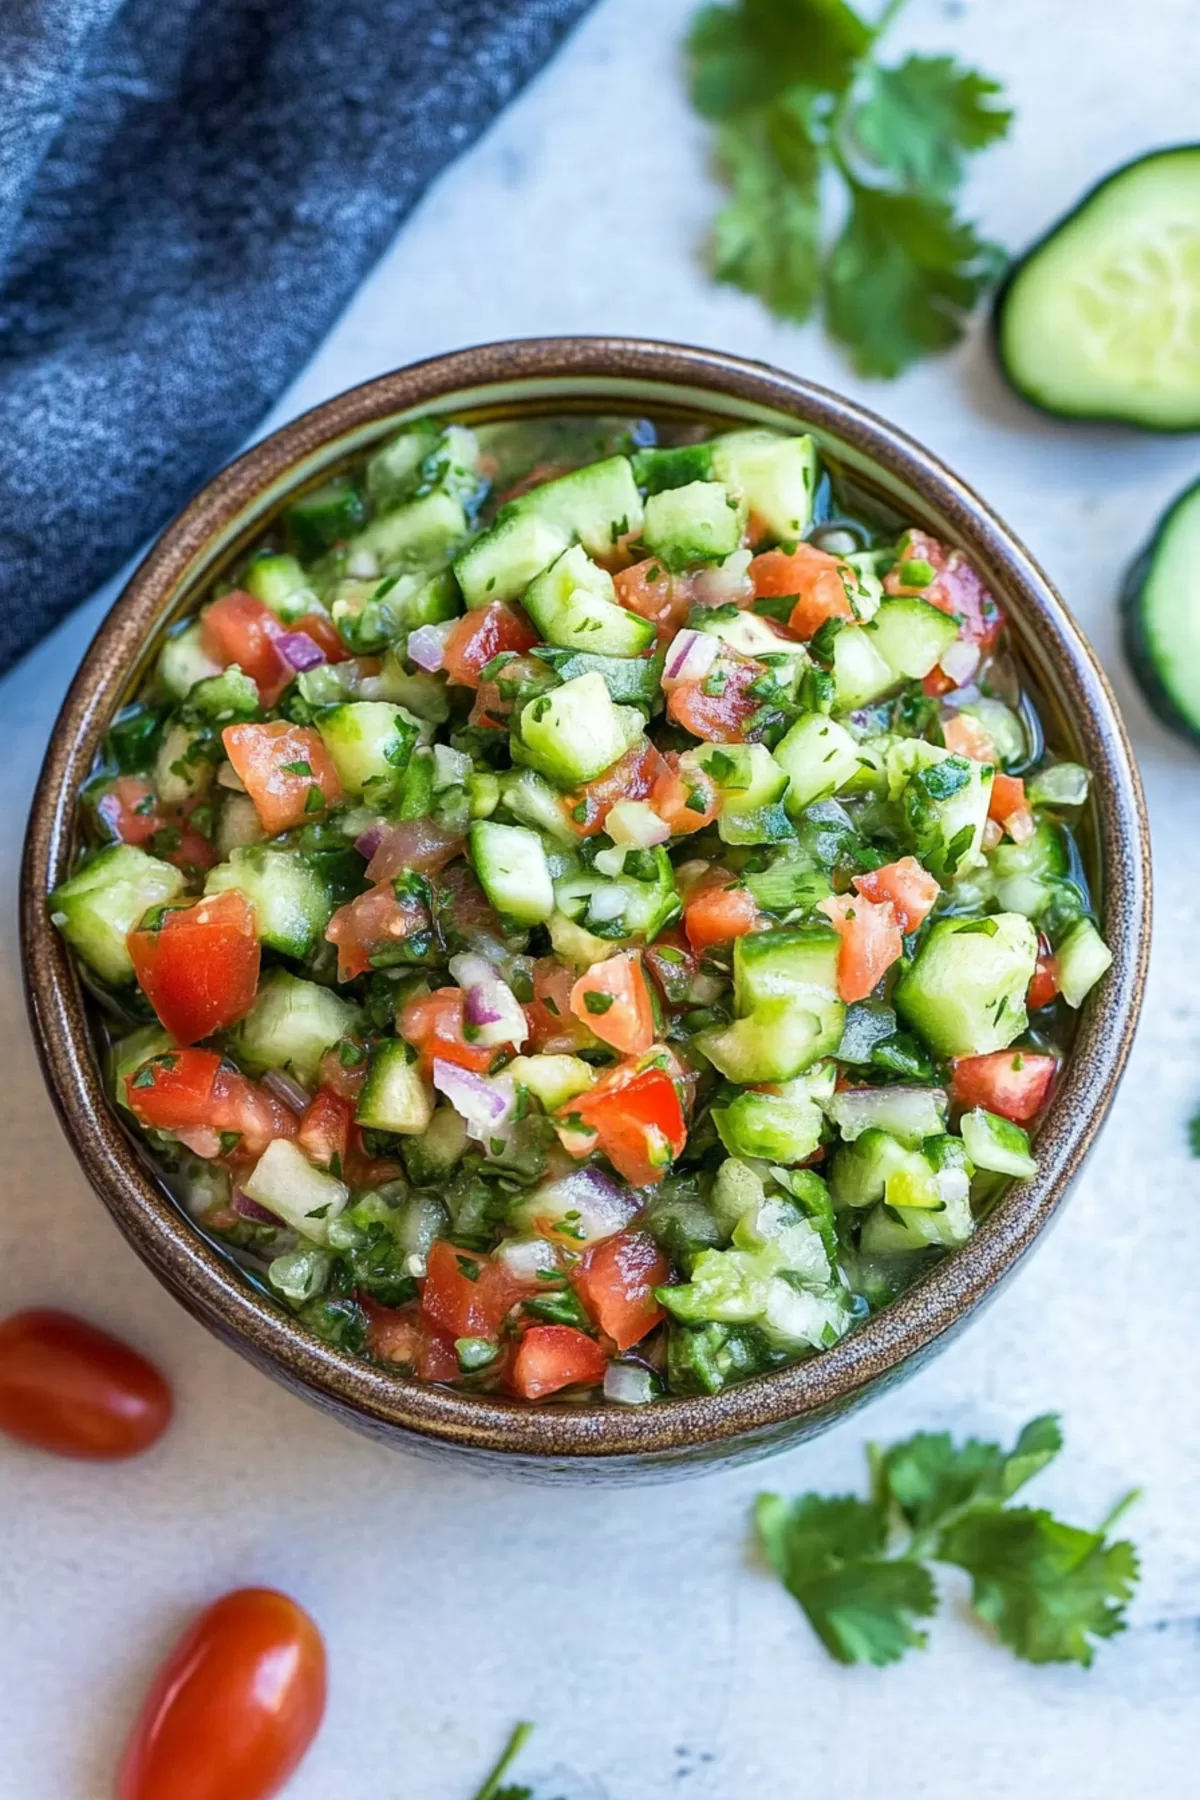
782	1128
909	1114
370	742
510	862
860	673
292	904
997	1144
696	523
595	506
965	994
395	1096
285	1182
752	786
100	904
573	604
421	535
1101	319
280	583
1081	959
1160	610
818	756
911	636
655	470
290	1026
775	476
575	732
183	661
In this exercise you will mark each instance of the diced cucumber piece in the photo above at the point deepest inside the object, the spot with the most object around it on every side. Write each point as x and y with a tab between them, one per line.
280	583
774	476
1059	785
573	605
751	786
865	581
1026	875
794	962
868	1022
371	613
129	1053
595	506
751	636
911	636
626	907
784	1127
997	1144
909	1114
1081	960
291	1025
894	1233
860	1171
98	906
286	1183
531	799
818	756
510	861
238	823
395	1096
423	696
553	1080
578	947
672	467
423	455
185	764
433	1157
219	699
421	535
575	732
791	881
630	680
785	996
965	993
696	523
1002	725
945	800
323	517
183	661
370	742
292	904
860	674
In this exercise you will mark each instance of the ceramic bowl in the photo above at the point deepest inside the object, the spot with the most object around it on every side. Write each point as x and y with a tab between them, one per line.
564	1441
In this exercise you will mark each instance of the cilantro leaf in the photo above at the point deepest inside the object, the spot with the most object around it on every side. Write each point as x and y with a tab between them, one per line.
929	1477
902	278
744	55
830	1554
917	121
767	241
1047	1588
1194	1134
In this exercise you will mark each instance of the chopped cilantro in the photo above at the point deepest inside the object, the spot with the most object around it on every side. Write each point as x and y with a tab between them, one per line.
298	768
468	1267
229	1143
1194	1133
596	1002
314	800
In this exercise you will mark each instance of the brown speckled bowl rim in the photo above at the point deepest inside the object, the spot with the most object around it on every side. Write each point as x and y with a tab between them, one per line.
771	1408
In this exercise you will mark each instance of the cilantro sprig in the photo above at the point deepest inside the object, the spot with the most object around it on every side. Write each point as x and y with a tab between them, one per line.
802	107
1193	1133
859	1568
492	1789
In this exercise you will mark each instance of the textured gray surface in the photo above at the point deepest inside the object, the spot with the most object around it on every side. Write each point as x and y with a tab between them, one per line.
633	1626
189	193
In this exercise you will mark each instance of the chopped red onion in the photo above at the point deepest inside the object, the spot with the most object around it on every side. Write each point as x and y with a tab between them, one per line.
287	1089
485	1103
491	1007
368	841
725	582
246	1208
299	651
427	646
691	656
598	1206
418	844
960	662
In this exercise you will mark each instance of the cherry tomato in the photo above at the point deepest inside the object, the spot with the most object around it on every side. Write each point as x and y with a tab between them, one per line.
234	1707
67	1387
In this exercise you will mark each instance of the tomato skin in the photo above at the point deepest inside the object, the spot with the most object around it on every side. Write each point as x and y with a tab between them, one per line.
911	889
199	968
325	1129
813	576
637	1121
871	942
264	757
239	629
1012	1083
718	718
434	1025
454	1302
551	1357
680	782
174	1092
235	1706
632	777
371	923
479	636
616	1283
1044	987
650	591
627	1023
715	915
69	1388
553	1027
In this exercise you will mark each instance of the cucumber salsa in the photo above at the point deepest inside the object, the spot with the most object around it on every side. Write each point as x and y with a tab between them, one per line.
585	910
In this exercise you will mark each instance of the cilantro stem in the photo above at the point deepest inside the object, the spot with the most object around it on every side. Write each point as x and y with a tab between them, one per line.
1119	1510
518	1738
886	17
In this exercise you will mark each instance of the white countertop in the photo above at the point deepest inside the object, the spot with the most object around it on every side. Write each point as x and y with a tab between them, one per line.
632	1625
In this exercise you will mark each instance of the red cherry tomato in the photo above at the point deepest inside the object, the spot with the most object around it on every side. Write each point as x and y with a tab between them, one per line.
69	1388
234	1707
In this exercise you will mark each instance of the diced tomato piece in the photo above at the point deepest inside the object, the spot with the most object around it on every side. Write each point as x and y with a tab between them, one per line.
552	1025
324	634
1009	807
965	736
193	851
324	1134
363	1170
616	1282
496	699
1013	1083
174	1092
714	915
466	1295
818	580
955	588
911	889
129	810
871	942
246	1108
481	635
285	769
683	796
631	777
418	844
635	1119
462	906
551	1357
673	964
649	590
239	629
1044	987
434	1024
199	967
398	1334
342	1078
937	683
719	709
371	925
613	999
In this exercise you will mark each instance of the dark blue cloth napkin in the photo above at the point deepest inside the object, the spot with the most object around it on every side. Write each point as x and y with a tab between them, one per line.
189	192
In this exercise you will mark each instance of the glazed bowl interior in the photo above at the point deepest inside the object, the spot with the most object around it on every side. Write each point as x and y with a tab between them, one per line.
885	471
